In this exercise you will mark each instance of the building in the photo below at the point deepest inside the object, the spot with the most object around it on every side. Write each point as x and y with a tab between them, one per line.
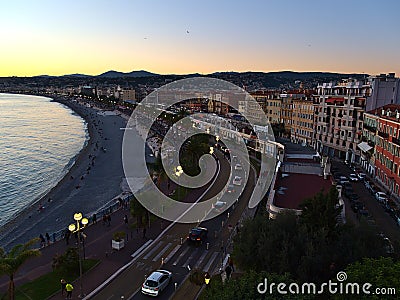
270	103
217	106
387	148
302	127
385	90
128	94
287	108
339	109
367	146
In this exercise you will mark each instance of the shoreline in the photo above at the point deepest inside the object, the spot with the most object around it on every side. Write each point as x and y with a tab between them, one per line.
93	145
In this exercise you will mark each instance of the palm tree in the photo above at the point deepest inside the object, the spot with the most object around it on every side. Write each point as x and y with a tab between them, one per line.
10	262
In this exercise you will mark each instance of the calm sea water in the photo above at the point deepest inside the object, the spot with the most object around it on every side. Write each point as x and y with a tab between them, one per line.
39	140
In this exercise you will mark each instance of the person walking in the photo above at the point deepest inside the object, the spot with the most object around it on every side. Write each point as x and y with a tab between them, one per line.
109	220
144	232
126	220
48	238
63	284
94	219
69	288
42	241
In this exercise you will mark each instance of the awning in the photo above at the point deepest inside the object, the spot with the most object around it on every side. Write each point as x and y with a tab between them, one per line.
334	99
364	146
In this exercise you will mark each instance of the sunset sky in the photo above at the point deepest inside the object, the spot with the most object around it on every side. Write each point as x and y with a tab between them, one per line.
91	37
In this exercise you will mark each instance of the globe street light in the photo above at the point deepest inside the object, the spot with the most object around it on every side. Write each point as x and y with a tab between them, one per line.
80	224
178	173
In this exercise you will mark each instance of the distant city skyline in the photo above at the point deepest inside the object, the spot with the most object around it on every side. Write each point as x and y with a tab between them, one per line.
171	37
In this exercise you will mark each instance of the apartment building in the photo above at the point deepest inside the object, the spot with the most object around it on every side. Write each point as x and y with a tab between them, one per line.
339	109
287	108
387	149
367	146
271	105
302	127
385	90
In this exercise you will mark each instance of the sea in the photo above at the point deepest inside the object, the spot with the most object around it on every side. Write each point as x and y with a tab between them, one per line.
39	141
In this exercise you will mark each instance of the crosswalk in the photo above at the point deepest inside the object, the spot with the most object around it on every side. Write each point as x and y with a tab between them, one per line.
179	255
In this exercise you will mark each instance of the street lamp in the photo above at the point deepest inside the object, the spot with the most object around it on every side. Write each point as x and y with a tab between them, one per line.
178	173
80	224
211	150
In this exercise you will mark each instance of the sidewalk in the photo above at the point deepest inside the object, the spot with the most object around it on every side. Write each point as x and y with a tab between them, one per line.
97	246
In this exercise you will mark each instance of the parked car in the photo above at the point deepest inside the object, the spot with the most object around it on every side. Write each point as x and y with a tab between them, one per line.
353	177
237	180
361	176
197	235
156	282
381	197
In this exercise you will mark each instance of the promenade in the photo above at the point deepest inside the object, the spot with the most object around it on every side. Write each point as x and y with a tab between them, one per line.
97	246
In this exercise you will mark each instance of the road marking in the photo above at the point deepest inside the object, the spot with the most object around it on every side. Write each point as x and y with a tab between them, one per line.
190	258
140	250
172	253
153	250
162	252
210	261
201	259
180	256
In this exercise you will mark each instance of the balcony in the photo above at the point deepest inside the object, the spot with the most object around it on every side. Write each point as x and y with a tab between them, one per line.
396	141
369	128
383	135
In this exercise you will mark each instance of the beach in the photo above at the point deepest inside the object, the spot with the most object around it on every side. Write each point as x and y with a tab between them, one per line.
91	183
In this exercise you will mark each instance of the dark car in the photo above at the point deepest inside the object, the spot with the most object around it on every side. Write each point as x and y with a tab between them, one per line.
197	235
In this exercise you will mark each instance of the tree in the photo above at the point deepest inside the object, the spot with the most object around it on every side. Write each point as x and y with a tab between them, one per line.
10	262
137	210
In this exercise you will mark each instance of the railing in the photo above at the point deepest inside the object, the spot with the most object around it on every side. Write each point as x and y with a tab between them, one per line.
396	141
369	128
383	134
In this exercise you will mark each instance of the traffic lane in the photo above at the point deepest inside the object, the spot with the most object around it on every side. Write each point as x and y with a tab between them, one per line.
178	275
384	221
127	283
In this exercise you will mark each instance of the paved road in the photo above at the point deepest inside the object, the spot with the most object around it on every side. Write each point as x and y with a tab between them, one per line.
384	221
178	257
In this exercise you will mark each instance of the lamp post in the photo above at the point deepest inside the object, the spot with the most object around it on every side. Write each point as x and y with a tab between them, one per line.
77	228
178	173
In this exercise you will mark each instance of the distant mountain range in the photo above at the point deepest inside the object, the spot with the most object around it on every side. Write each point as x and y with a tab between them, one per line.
281	75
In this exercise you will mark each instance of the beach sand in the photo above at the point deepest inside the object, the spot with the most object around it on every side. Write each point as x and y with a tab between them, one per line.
92	182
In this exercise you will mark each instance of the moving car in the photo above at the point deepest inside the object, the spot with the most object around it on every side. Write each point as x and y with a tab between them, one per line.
231	189
219	206
197	235
238	167
156	282
237	180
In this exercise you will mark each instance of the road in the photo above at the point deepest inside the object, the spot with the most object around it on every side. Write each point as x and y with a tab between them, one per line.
177	257
384	221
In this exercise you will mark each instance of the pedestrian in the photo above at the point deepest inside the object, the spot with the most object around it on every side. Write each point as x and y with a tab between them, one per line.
104	219
144	232
126	219
54	237
109	220
48	238
94	219
42	241
66	236
69	288
228	271
63	284
230	262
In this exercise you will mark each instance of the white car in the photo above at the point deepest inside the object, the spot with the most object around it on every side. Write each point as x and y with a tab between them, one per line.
353	177
237	180
238	167
156	282
362	176
381	197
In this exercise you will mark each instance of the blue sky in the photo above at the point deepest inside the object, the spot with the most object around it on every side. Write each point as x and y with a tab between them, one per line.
59	37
